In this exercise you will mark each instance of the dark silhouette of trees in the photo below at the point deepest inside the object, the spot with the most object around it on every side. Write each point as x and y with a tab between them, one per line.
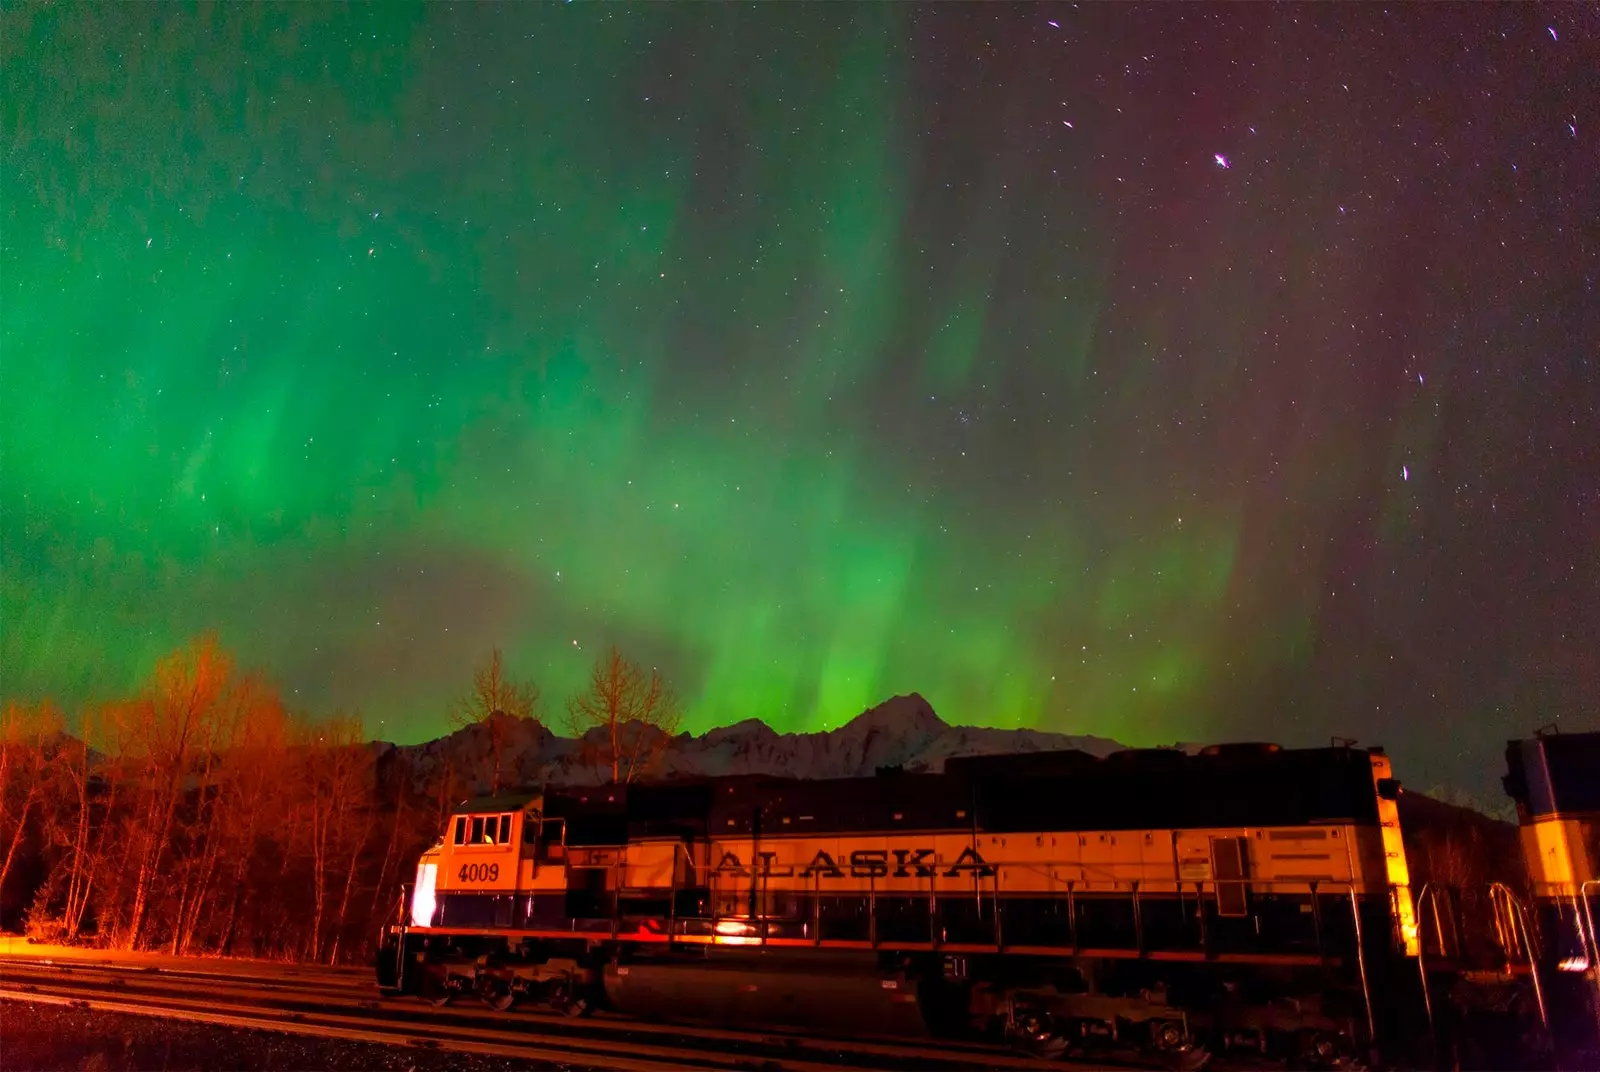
637	714
494	699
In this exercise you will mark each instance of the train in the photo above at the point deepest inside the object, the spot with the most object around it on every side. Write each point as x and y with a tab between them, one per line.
1241	897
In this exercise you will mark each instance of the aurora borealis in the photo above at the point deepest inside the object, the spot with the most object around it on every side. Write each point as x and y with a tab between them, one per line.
1160	373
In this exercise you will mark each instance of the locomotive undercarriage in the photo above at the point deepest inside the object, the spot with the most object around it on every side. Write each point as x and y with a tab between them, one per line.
1086	1007
500	972
1048	1007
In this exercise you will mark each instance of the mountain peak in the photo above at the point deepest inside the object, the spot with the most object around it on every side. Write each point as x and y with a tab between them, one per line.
900	714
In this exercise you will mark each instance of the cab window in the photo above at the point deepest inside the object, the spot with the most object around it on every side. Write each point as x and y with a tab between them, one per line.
483	830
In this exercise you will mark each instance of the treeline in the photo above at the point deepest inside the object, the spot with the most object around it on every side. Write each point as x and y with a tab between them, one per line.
201	815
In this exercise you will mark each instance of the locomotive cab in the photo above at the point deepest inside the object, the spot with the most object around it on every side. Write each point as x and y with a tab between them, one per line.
492	849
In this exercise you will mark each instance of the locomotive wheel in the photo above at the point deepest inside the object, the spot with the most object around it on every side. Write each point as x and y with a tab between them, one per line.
1179	1049
436	989
567	998
1032	1033
1326	1050
1190	1059
496	994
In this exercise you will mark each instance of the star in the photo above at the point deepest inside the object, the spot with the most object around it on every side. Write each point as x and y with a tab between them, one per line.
1222	161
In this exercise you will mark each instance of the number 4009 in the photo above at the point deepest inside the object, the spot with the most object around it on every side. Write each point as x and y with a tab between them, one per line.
479	873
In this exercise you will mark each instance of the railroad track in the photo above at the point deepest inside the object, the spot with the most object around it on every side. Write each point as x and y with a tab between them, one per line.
328	1006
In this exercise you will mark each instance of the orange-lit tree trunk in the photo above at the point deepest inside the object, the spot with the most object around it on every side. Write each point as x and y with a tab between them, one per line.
26	739
638	715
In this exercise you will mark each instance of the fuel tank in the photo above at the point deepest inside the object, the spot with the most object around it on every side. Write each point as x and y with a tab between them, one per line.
792	988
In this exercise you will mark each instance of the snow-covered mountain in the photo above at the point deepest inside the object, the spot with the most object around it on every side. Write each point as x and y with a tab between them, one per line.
903	731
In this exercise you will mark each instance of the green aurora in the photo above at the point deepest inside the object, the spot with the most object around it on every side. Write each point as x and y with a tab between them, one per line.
806	353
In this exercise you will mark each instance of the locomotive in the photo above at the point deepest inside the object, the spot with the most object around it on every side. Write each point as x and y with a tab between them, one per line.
1243	896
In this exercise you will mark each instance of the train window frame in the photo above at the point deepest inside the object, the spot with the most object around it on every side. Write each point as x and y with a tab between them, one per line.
505	829
461	830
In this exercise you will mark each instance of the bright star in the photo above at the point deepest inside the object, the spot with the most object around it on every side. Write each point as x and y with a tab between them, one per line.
1222	161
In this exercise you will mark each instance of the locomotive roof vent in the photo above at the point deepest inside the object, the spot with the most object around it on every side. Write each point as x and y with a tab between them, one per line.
1242	748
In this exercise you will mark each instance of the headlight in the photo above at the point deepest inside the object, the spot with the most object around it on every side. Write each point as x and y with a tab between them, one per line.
422	898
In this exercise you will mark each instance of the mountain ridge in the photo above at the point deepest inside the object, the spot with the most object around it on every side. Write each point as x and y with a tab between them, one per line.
903	731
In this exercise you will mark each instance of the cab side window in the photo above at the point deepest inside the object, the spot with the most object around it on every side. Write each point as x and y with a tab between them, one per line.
505	829
461	830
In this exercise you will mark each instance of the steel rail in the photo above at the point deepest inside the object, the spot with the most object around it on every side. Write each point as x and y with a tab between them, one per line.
309	996
260	991
594	1054
303	984
779	1036
343	1033
424	1022
306	997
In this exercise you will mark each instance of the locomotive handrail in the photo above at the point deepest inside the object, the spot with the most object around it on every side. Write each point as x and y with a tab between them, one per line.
1591	940
1519	915
1586	929
1429	895
405	904
1361	963
762	918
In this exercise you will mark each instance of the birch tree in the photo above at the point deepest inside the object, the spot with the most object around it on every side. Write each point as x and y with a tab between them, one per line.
493	700
636	713
29	737
168	725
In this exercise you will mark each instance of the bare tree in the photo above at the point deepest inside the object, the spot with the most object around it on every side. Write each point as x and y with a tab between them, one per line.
639	715
338	780
170	727
28	738
87	837
494	699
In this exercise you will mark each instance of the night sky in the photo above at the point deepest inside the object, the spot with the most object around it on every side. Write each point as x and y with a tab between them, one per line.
1161	373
